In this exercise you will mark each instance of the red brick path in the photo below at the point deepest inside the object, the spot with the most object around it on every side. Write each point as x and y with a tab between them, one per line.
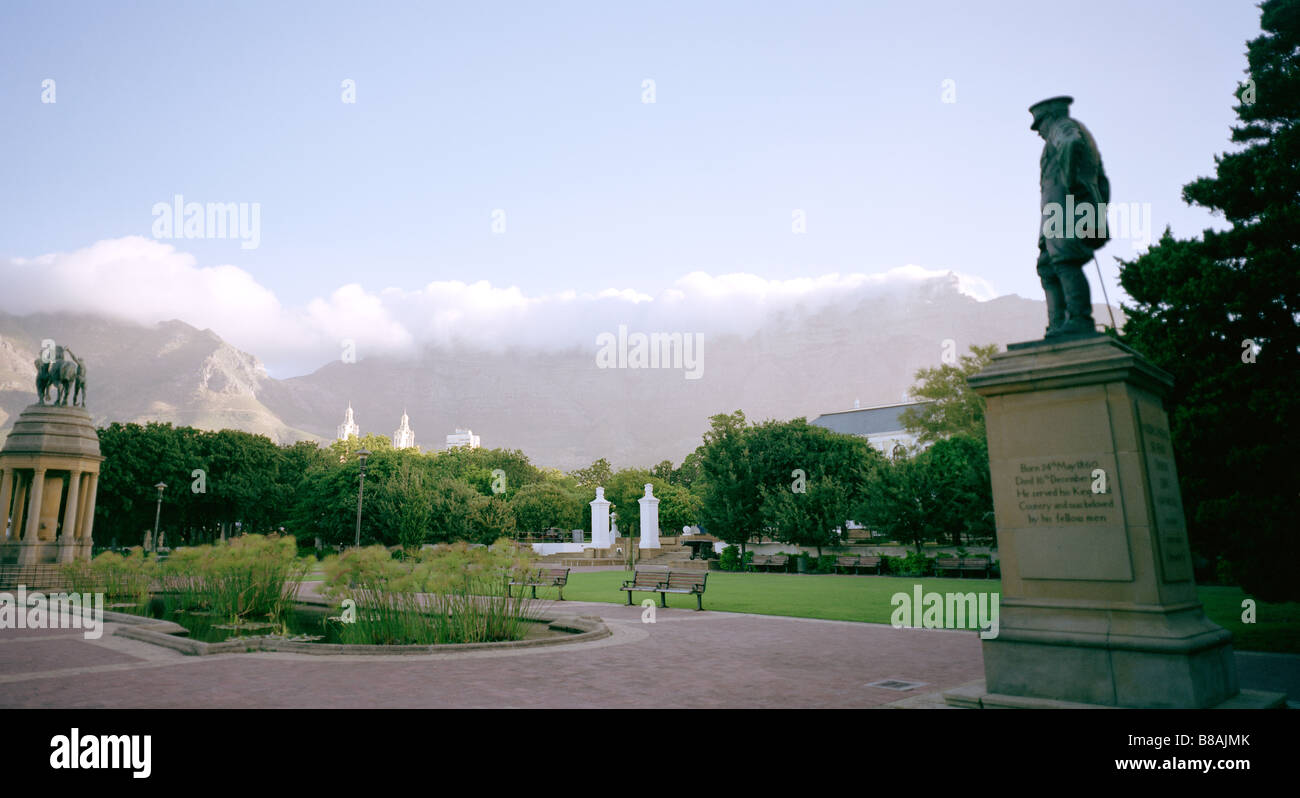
686	659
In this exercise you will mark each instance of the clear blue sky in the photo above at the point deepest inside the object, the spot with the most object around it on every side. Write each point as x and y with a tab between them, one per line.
830	107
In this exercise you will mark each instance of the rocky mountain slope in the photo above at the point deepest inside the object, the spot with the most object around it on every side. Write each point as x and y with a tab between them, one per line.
557	406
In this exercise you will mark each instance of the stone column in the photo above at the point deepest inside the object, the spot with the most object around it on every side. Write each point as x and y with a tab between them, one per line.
20	503
600	521
649	518
80	527
88	522
6	494
31	535
68	537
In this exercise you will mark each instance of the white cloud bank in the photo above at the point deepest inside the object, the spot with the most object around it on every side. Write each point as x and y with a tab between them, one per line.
148	281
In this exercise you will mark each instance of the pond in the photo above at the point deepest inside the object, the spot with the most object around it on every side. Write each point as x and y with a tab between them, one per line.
303	622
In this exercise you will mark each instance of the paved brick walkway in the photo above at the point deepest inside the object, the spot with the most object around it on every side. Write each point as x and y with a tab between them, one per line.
685	659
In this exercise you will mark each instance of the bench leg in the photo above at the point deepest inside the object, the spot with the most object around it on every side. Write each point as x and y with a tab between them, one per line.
534	591
629	598
699	601
663	600
561	592
507	591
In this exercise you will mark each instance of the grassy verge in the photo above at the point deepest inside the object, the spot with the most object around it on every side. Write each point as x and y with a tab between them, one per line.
867	599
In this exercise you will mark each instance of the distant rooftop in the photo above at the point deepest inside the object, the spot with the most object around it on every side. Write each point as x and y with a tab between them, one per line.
867	420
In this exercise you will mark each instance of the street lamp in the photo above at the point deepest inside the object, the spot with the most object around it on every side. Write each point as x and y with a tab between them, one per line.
362	454
161	486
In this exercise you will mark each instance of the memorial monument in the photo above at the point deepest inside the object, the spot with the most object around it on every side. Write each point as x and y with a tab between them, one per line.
1098	607
649	518
600	534
49	470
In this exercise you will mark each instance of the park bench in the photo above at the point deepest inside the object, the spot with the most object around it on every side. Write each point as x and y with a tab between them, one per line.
542	577
858	561
769	561
689	583
35	575
961	565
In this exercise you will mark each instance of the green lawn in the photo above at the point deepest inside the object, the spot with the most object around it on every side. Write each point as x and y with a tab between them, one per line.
1276	626
836	598
867	598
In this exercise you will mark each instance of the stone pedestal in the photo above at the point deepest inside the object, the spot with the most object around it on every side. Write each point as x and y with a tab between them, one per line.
49	477
1098	603
600	537
649	518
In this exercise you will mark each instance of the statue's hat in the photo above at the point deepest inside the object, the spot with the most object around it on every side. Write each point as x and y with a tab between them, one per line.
1052	106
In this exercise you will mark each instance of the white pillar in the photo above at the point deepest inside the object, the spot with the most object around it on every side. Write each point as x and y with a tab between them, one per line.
600	521
649	518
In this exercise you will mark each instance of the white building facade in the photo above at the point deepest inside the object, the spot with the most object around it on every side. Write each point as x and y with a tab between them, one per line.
462	437
404	437
349	426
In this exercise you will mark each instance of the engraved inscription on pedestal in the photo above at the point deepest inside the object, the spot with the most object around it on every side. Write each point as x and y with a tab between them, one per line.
1069	531
1166	501
1058	492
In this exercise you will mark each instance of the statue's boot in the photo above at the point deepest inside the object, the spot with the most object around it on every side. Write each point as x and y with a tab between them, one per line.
1056	312
1078	301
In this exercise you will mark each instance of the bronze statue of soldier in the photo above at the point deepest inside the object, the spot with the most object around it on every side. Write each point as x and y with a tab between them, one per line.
1074	194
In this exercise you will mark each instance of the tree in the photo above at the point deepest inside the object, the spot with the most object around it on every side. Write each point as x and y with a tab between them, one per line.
963	488
742	468
677	507
490	518
545	505
453	503
809	518
731	505
688	473
404	506
955	409
346	450
594	475
1221	313
904	500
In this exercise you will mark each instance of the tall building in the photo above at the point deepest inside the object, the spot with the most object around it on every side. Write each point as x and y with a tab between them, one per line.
462	437
349	426
404	437
879	425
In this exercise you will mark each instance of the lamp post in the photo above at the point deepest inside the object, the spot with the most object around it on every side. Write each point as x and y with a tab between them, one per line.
161	486
362	454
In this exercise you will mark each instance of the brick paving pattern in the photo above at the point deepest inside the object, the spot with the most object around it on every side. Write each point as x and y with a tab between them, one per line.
685	659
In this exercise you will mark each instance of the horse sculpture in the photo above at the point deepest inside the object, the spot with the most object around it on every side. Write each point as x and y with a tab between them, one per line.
79	396
68	376
42	380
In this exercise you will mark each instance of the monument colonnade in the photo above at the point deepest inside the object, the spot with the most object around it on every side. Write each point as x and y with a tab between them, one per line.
49	481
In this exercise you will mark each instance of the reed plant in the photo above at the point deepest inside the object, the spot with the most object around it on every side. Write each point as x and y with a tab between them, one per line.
447	594
122	579
251	576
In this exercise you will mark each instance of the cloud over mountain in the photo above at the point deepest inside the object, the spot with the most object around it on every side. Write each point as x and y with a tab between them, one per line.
147	281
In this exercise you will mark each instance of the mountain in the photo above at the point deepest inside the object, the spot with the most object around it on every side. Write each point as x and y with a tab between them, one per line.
558	406
167	372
